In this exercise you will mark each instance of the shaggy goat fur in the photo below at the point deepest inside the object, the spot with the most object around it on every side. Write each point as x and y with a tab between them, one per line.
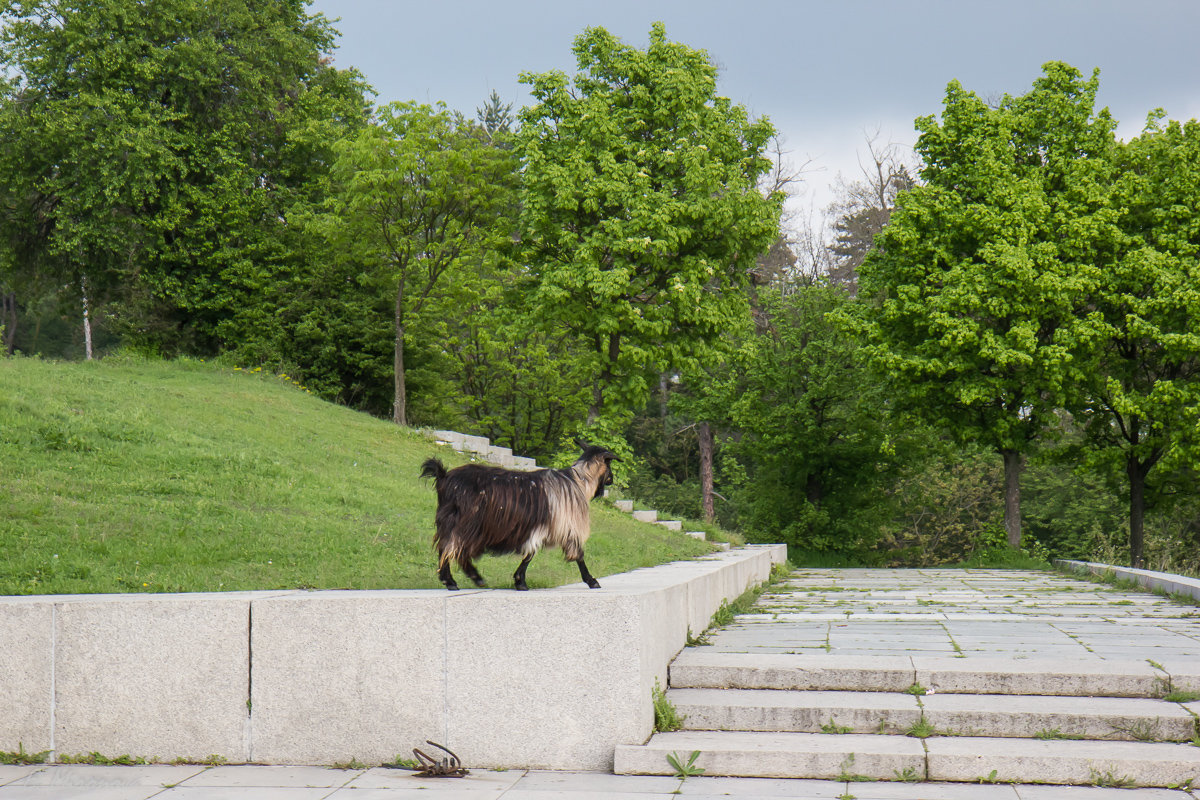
485	509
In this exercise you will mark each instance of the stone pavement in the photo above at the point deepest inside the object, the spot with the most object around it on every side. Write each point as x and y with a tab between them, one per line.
162	782
965	613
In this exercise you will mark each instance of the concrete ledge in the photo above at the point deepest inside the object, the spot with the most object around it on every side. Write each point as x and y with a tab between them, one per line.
551	679
1154	581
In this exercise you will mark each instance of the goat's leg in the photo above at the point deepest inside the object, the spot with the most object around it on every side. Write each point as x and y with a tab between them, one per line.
468	568
585	575
445	577
519	575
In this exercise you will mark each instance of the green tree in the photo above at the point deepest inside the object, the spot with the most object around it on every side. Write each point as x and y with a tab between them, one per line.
148	151
640	212
980	282
1142	402
813	430
412	197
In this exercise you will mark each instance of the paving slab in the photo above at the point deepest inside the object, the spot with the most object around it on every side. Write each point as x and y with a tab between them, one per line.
932	791
82	793
388	783
87	775
280	776
14	772
243	793
536	794
742	788
545	780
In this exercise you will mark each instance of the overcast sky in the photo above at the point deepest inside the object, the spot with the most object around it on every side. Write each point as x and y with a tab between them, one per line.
826	72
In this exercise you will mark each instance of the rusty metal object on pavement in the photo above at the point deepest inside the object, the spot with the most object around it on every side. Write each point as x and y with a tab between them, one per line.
433	768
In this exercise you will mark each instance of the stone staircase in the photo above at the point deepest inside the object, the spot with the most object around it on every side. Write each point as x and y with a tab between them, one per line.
891	717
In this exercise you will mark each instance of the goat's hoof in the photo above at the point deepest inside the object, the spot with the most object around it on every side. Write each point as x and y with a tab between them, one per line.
481	583
520	587
452	587
593	584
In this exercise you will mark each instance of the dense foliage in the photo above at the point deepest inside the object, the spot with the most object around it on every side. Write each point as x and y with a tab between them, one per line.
641	215
195	178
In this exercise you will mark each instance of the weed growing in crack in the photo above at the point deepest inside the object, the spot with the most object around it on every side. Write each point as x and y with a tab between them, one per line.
666	718
685	769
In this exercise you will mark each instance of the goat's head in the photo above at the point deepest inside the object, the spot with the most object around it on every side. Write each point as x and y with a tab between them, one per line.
596	463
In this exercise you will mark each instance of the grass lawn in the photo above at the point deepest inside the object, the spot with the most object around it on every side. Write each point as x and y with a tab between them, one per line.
127	475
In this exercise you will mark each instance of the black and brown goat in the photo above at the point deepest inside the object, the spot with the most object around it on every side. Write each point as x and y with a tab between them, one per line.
486	509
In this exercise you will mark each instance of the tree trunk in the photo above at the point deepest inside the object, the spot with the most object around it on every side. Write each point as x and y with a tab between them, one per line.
597	401
400	394
87	320
706	471
605	377
664	396
813	490
1014	463
1137	510
10	322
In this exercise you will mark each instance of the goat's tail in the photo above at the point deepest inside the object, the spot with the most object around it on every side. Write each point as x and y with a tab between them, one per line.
433	468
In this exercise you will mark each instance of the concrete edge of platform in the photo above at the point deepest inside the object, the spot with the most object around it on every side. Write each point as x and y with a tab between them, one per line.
550	679
1154	581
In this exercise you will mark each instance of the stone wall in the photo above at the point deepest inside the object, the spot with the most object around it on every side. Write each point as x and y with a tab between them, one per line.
550	679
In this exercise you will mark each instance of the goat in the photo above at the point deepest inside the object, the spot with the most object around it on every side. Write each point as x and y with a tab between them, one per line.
486	509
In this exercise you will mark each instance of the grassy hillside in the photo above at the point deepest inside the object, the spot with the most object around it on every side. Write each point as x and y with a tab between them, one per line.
129	475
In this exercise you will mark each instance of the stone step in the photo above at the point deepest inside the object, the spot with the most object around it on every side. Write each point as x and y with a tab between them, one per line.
1027	717
1063	762
1130	719
800	712
697	667
777	755
889	758
671	524
500	456
646	516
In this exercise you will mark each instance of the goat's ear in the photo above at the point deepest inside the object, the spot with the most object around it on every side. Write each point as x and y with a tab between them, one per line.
611	457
